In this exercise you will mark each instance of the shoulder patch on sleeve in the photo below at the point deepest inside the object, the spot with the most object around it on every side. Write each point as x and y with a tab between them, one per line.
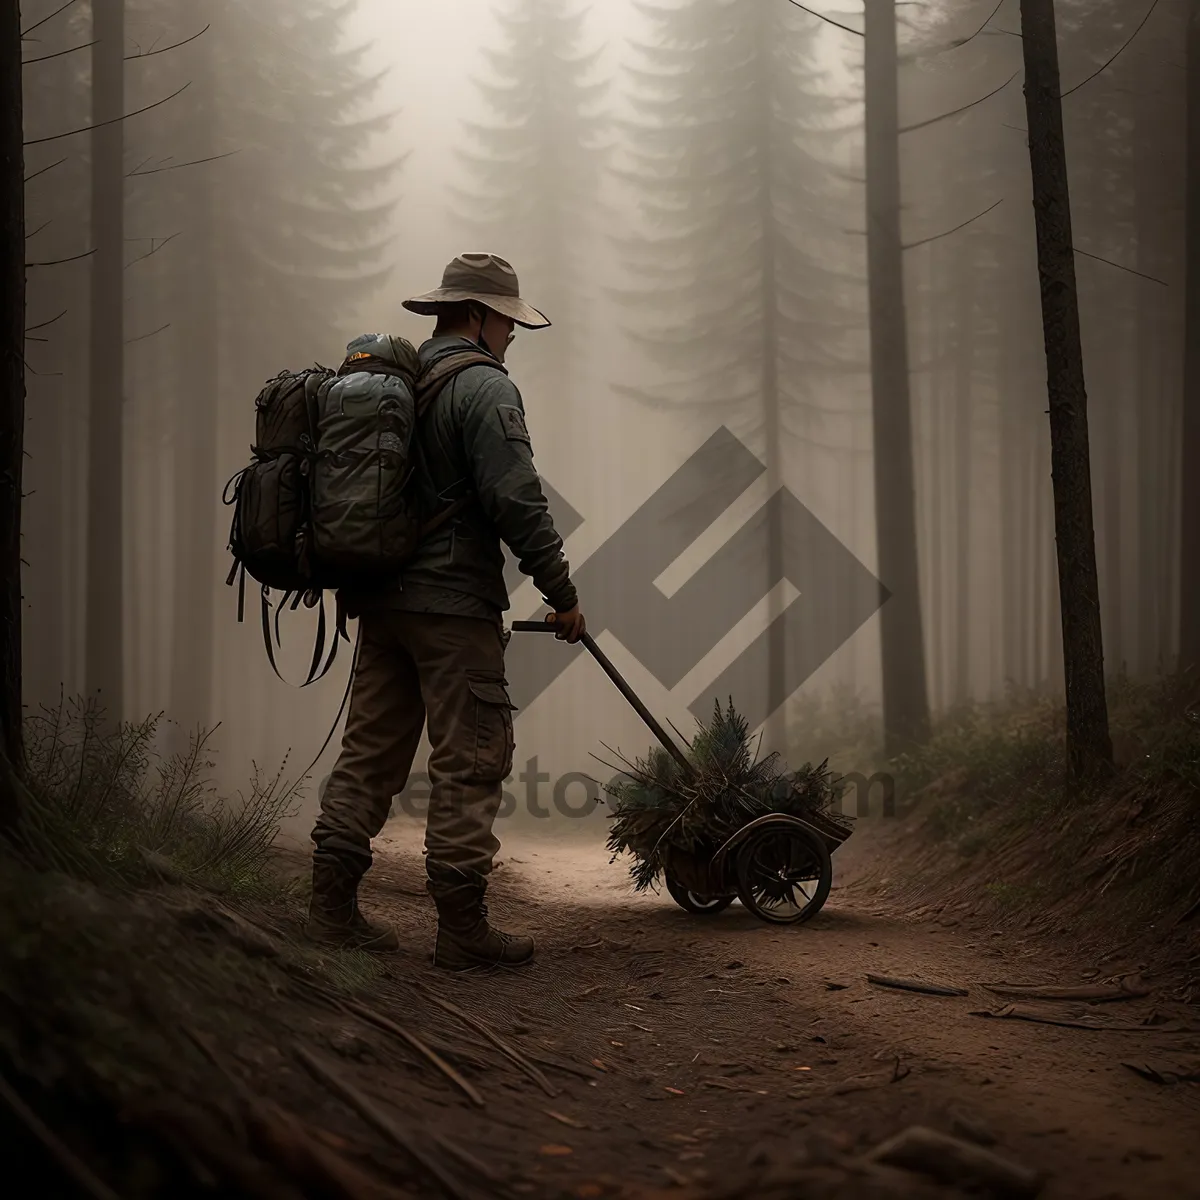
512	420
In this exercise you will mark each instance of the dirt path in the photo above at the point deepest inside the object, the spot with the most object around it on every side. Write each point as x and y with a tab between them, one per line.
712	1048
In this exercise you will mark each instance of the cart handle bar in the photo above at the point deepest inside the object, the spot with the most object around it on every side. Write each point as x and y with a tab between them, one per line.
606	665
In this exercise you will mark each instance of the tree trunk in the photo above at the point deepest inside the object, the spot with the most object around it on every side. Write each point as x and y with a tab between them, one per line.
195	435
105	543
905	690
12	392
935	470
1153	472
1112	447
964	414
1089	746
1189	511
776	732
1038	590
1012	553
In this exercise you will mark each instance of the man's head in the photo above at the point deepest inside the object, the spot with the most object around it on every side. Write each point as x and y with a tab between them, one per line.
478	323
479	299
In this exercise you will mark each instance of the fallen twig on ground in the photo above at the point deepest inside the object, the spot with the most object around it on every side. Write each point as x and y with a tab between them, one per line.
1016	1012
915	985
390	1128
389	1026
729	1086
513	1055
1093	995
291	1145
1164	1074
558	1065
563	1119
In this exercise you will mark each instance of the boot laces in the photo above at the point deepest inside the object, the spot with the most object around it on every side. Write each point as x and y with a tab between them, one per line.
506	938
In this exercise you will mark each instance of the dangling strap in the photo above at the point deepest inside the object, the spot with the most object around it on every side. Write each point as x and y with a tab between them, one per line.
320	665
268	641
342	709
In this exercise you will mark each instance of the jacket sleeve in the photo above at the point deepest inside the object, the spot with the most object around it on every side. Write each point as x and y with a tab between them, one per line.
500	453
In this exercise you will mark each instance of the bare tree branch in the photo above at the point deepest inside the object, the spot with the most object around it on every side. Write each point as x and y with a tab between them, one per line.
827	20
116	120
195	162
47	324
973	36
1109	262
143	336
175	46
43	170
25	32
948	232
957	111
154	249
28	62
41	374
958	42
1141	26
56	262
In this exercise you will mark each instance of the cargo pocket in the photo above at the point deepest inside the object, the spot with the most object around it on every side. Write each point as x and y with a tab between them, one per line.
494	743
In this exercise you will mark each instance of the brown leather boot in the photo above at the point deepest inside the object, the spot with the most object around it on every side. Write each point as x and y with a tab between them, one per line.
334	918
464	937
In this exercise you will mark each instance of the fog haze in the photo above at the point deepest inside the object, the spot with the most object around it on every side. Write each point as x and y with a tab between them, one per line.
642	243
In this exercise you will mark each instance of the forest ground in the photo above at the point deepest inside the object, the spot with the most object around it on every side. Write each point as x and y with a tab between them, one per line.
718	1051
180	1038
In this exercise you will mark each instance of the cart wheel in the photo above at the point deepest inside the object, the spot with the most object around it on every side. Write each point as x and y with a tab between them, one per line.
784	873
695	903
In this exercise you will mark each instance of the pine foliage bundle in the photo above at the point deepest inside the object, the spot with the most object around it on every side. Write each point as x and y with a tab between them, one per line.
660	810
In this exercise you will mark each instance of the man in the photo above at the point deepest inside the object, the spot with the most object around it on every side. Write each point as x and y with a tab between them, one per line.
432	644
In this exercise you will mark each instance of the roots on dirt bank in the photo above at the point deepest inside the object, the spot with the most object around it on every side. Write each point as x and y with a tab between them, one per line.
110	1083
990	827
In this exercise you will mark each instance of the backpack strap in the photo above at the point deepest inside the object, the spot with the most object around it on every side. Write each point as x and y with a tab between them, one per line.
430	385
431	382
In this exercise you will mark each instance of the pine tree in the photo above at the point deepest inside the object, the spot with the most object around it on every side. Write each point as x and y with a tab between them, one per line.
301	233
304	219
261	223
12	394
1189	610
533	169
106	415
54	514
729	292
1089	745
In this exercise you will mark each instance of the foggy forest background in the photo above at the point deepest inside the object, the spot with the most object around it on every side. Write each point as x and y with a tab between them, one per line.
681	186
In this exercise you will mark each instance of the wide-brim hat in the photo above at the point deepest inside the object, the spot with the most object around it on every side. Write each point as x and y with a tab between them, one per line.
486	279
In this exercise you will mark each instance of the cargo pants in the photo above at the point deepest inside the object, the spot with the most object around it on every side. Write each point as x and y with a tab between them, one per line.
413	668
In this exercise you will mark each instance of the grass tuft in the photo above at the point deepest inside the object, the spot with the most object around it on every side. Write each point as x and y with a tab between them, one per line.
105	806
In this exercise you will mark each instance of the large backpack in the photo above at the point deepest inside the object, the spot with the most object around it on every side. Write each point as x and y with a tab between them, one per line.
327	502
